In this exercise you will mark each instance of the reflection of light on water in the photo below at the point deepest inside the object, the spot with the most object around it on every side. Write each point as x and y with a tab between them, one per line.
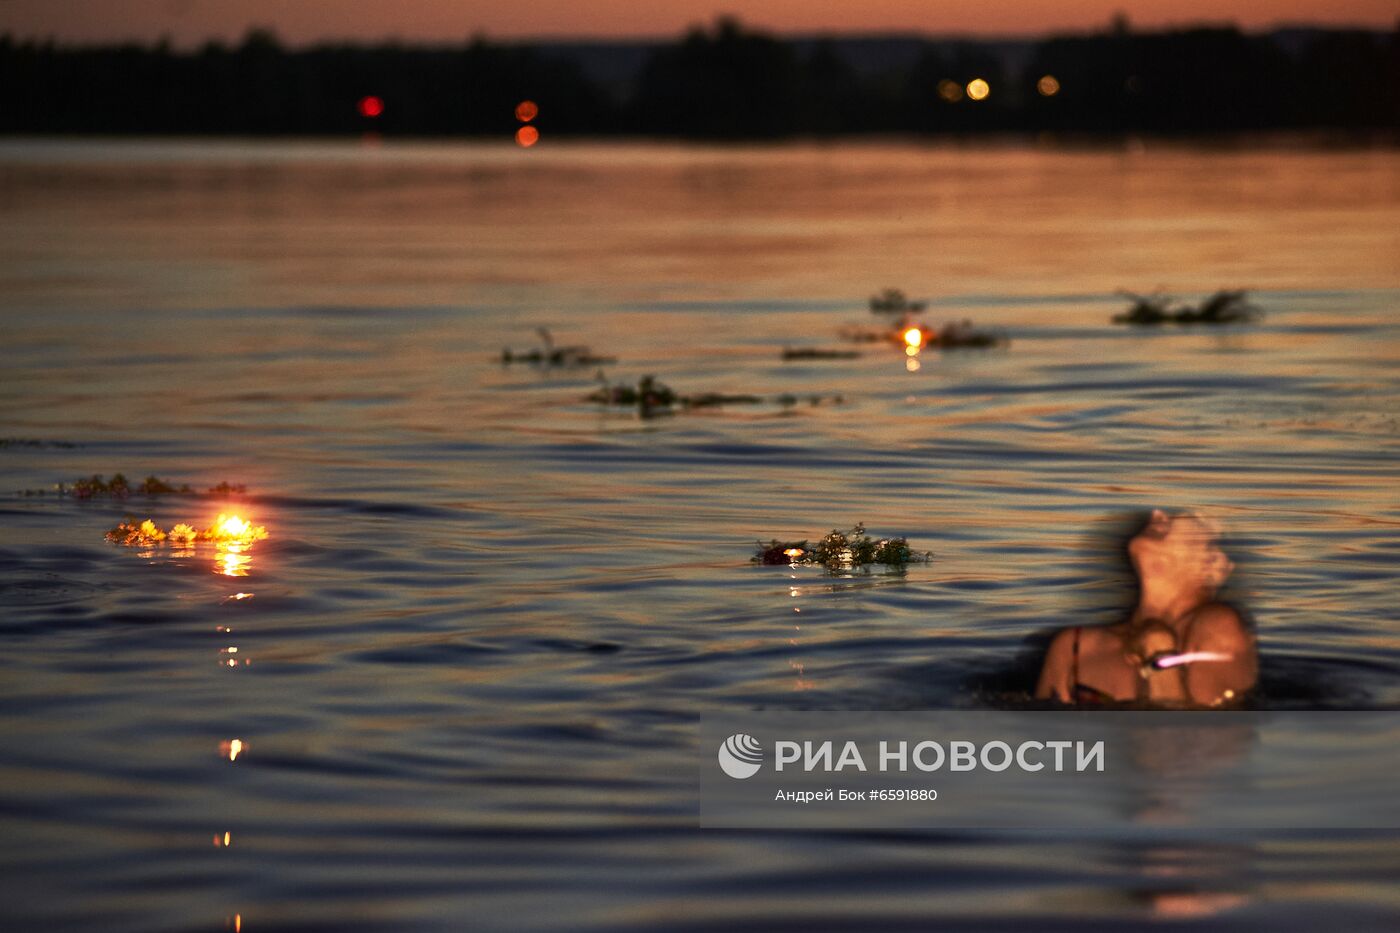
912	364
224	841
226	654
1189	904
234	923
800	682
231	749
231	561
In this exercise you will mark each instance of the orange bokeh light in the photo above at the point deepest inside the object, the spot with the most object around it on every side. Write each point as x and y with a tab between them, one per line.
371	106
526	110
527	136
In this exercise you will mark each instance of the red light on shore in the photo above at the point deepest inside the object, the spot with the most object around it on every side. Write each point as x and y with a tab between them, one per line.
371	106
527	136
526	110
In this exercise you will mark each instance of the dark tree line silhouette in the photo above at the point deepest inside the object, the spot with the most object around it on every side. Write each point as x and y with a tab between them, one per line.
722	82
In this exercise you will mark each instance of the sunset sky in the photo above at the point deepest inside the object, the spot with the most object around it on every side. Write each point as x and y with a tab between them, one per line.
300	21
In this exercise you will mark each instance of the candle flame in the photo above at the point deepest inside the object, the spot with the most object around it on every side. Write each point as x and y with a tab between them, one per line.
230	526
1191	657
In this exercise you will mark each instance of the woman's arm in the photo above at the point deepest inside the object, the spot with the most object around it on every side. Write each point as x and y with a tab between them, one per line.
1056	671
1220	629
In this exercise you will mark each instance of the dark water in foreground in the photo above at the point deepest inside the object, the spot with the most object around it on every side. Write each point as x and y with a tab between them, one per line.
470	657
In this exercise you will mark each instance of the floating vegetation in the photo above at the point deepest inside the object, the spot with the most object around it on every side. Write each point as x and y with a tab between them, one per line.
788	400
652	398
134	535
859	334
648	394
893	301
226	530
1224	307
955	335
119	487
841	550
817	353
914	336
550	355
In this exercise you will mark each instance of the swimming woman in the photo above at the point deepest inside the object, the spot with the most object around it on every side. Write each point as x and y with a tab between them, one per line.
1179	648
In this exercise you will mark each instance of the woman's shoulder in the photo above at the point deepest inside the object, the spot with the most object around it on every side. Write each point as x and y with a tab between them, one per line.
1097	642
1218	626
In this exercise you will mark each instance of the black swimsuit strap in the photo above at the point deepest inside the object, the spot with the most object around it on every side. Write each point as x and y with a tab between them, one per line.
1074	668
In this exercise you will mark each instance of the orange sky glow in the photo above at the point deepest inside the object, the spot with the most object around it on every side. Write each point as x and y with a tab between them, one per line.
189	22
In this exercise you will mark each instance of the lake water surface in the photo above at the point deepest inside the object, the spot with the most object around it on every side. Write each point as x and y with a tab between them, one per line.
464	672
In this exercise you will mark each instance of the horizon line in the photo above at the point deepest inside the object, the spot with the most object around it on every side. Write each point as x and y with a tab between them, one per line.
749	29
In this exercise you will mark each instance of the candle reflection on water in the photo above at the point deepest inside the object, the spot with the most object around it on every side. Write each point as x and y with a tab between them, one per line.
231	561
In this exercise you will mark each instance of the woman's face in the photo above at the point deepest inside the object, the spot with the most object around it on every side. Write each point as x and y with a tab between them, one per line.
1179	549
